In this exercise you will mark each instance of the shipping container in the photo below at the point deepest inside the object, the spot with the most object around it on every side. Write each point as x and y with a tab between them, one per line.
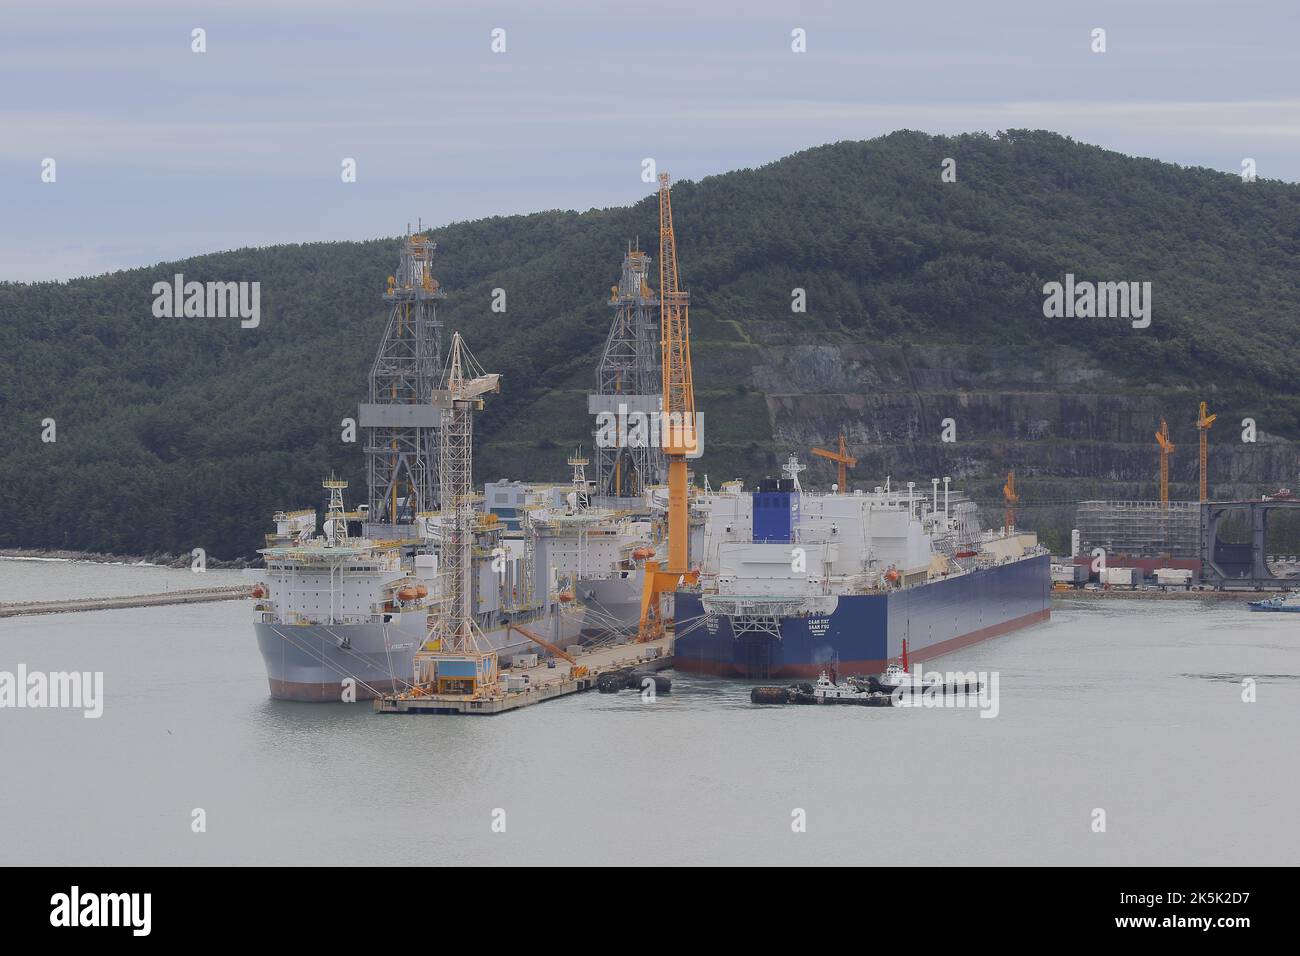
1119	577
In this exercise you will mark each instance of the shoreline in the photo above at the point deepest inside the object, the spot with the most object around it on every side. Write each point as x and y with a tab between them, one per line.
156	560
1235	595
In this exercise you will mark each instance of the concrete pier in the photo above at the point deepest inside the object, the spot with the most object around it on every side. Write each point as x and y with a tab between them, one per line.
192	596
1170	595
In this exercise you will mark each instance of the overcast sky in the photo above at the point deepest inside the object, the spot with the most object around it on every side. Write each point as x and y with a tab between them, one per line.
163	153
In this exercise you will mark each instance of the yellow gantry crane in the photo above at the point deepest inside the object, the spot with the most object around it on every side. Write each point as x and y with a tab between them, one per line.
1203	423
1166	449
843	459
677	426
1010	496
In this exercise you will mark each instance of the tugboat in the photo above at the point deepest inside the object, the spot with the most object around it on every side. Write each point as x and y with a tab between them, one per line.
826	691
1289	603
897	677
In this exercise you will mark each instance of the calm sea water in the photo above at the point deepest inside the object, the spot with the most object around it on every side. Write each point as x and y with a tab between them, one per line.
1131	706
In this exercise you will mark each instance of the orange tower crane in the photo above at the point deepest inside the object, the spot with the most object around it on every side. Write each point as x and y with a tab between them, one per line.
1010	496
677	426
1166	449
1203	423
843	459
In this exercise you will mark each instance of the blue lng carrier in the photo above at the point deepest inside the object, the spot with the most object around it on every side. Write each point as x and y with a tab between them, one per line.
793	582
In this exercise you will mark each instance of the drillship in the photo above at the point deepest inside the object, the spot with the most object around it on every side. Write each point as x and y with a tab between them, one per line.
793	582
344	612
330	608
335	606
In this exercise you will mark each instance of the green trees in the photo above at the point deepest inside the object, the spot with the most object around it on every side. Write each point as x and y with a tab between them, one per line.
180	433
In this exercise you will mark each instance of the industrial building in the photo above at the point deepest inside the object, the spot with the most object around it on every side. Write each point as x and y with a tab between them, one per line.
1147	528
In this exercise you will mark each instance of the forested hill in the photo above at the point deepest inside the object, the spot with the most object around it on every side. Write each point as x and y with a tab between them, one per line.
924	301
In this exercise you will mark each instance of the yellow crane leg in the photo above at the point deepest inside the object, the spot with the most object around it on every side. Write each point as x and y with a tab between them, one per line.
678	516
654	585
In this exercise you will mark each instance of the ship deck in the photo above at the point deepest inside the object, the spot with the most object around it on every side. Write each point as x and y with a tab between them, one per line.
544	683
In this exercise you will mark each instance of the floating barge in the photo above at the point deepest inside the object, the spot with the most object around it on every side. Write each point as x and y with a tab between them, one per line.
522	687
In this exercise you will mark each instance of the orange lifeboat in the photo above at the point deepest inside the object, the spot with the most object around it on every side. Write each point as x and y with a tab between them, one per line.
566	596
642	553
421	591
259	592
891	576
407	594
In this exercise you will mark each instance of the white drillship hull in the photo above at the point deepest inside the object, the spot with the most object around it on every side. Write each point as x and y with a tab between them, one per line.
312	662
612	602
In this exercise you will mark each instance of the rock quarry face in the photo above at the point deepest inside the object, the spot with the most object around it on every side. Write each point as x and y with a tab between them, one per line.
1068	431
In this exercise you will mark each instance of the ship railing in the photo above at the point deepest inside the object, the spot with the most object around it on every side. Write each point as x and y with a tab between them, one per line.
732	605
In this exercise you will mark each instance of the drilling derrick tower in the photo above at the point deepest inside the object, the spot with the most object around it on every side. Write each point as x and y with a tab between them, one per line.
454	659
399	423
628	384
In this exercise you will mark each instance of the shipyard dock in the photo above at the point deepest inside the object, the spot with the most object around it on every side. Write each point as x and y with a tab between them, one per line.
1154	594
191	596
540	683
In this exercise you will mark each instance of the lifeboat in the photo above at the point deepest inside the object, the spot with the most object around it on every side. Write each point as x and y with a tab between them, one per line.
566	596
642	553
421	591
259	591
407	594
891	576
